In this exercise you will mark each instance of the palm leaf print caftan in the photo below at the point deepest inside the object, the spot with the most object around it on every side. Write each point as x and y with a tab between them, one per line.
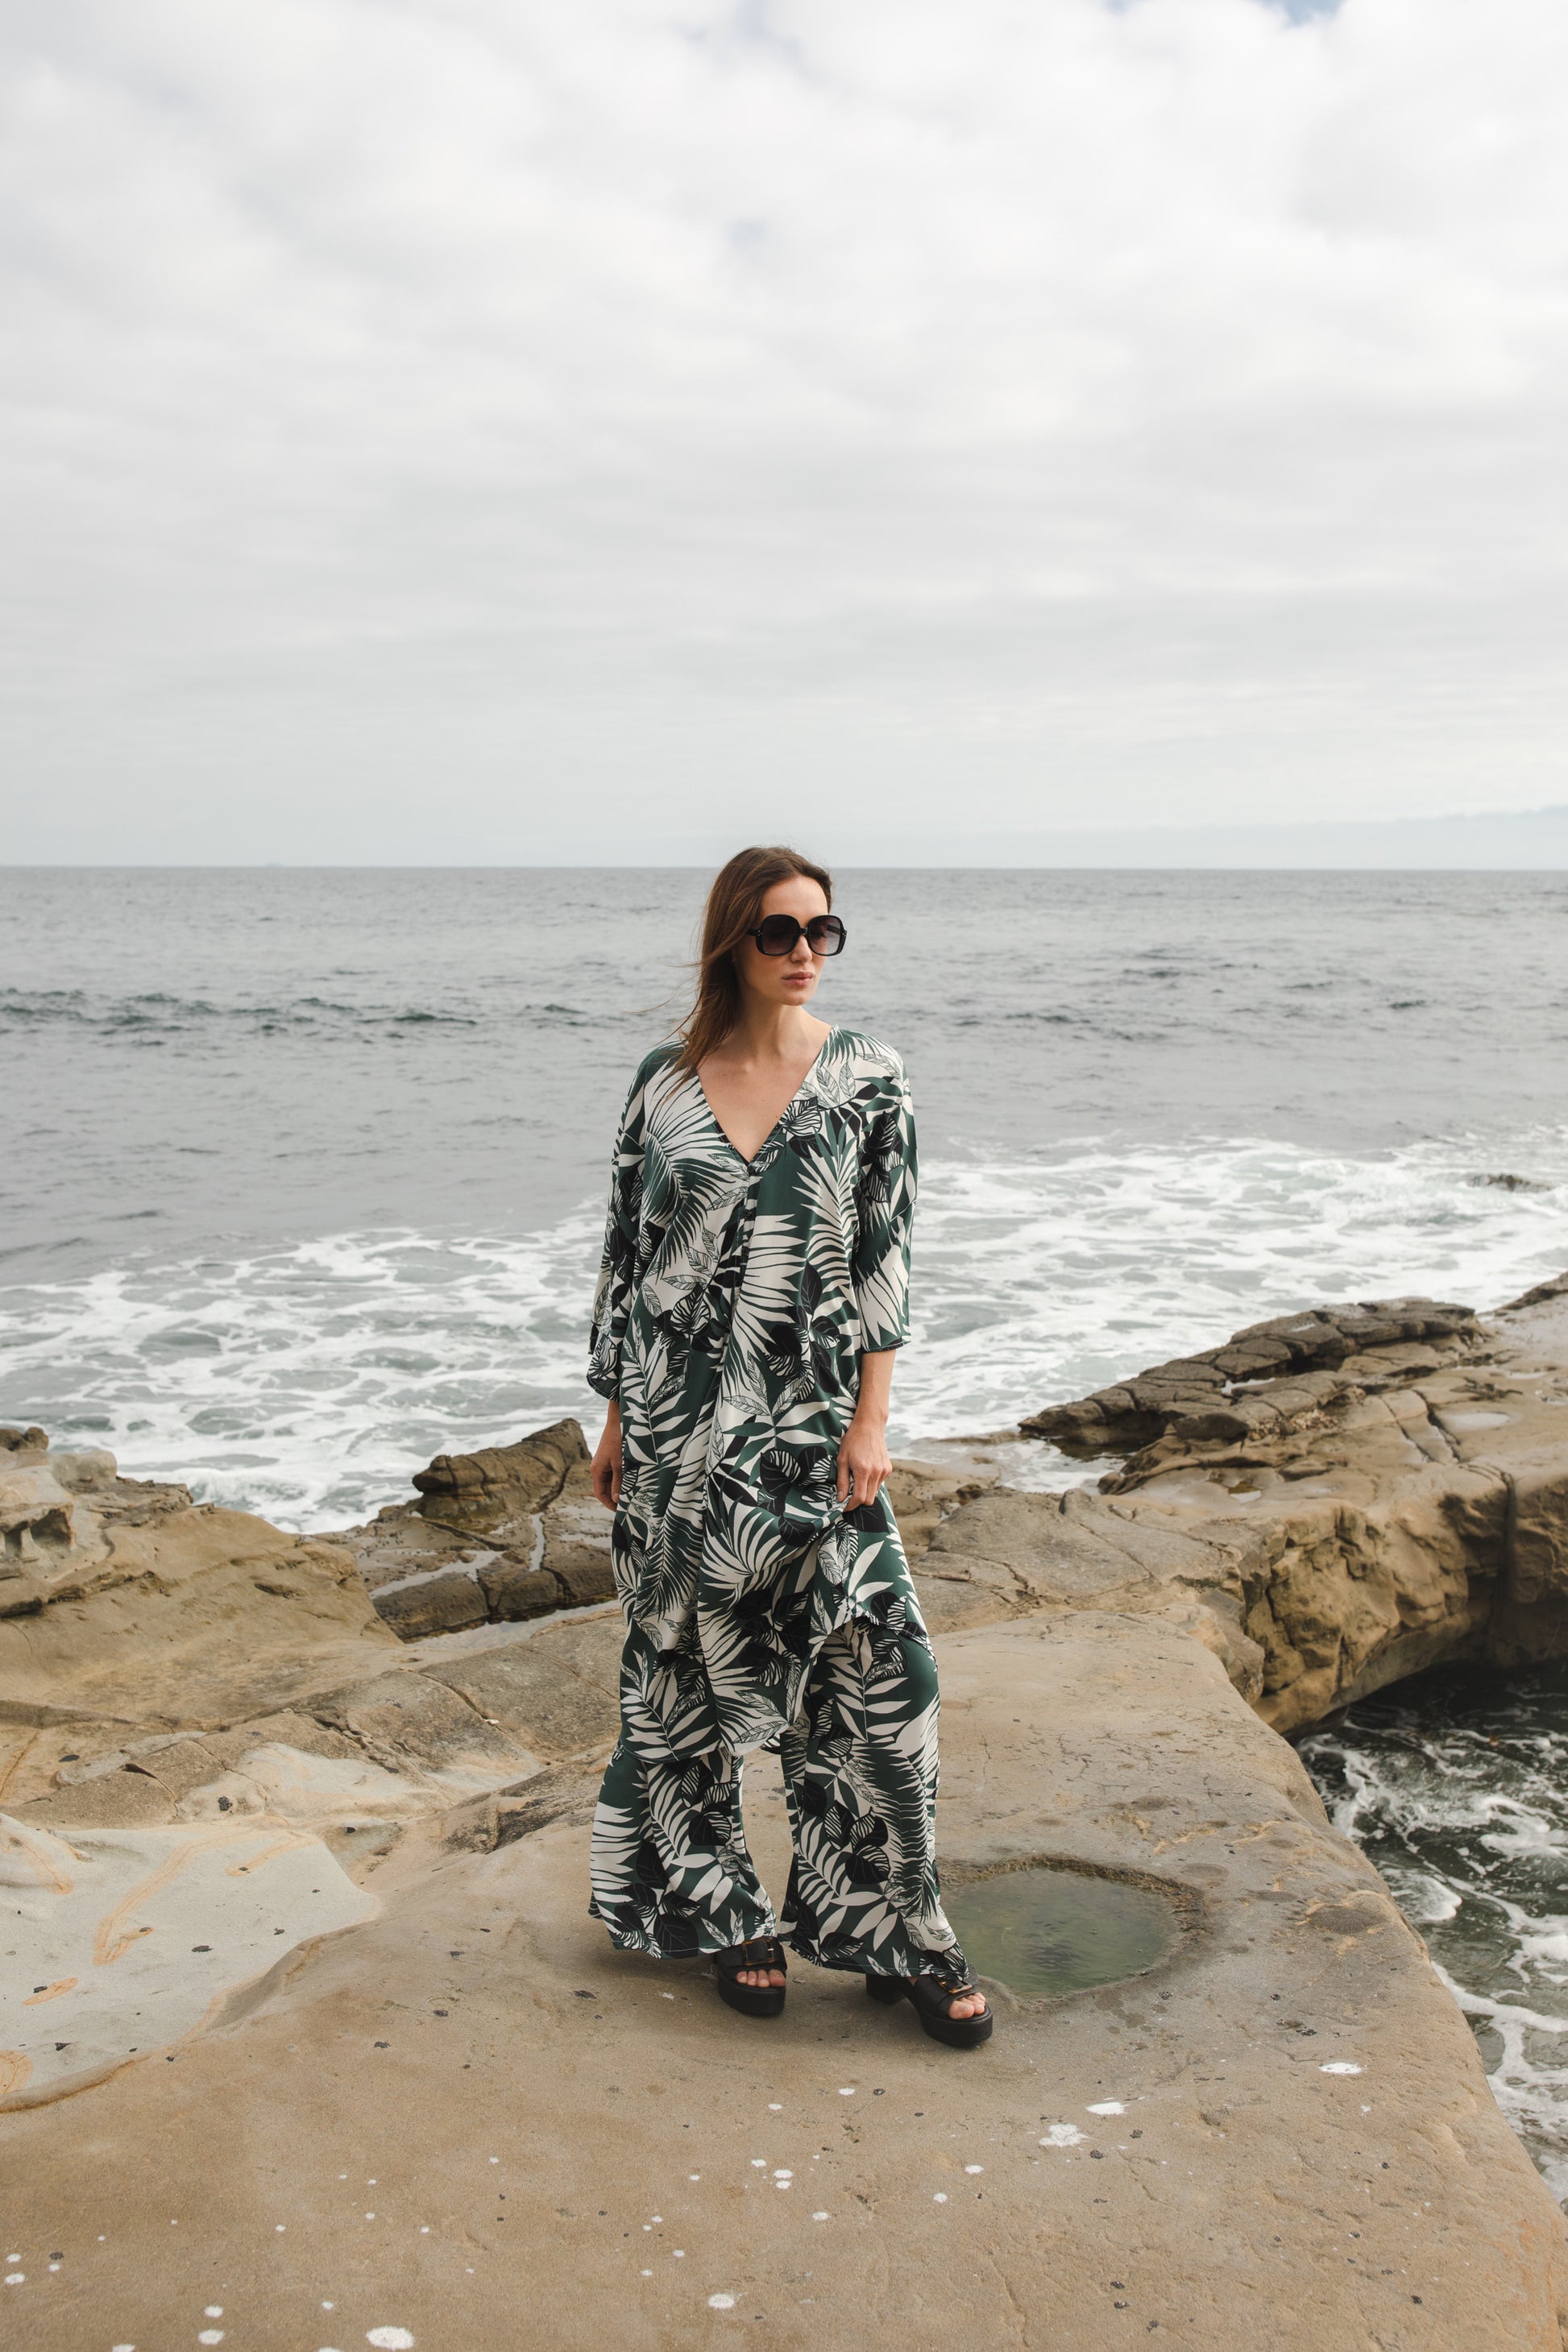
734	1302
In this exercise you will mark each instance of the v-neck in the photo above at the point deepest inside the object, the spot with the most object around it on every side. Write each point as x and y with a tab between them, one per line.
784	1114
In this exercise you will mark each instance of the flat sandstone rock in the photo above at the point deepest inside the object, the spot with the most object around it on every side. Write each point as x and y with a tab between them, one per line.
469	2120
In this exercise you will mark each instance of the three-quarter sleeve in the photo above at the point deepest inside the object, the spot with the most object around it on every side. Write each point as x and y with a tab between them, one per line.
885	1209
618	1268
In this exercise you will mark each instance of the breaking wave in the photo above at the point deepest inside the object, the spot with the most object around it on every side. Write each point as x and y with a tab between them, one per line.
306	1379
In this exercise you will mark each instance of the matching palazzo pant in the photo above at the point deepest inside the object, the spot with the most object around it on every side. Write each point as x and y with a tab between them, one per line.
671	1870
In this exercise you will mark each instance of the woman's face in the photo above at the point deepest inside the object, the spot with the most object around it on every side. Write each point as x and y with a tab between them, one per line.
789	979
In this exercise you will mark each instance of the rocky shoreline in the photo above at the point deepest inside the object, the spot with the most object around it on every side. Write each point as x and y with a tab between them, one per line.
1395	1497
264	1793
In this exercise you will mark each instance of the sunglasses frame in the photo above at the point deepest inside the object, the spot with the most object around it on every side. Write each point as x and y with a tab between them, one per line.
802	931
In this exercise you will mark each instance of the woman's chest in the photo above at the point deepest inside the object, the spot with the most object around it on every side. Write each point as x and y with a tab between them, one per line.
809	1166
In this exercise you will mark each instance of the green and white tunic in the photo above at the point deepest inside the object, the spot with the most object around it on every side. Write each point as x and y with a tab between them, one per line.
734	1302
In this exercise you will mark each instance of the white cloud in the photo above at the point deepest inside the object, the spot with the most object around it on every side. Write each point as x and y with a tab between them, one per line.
450	428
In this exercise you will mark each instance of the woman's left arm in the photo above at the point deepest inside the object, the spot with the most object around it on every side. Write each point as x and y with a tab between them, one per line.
864	1462
885	1206
884	1214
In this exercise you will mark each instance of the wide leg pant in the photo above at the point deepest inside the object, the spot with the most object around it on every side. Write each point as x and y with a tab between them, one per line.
672	1873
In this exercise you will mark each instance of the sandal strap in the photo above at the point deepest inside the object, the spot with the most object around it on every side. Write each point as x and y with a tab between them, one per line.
757	1952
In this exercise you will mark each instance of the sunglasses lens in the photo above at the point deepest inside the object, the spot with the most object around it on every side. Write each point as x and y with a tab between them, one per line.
777	935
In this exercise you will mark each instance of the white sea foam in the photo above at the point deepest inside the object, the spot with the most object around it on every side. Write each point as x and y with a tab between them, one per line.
307	1380
1457	1792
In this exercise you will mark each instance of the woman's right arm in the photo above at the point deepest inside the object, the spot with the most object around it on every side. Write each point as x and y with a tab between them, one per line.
606	1462
616	1285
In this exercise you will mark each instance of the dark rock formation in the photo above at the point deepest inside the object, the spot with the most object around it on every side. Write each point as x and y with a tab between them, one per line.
516	1532
1269	1376
506	1534
497	1492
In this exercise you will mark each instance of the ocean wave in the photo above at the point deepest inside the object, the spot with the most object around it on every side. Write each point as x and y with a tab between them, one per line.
162	1012
308	1380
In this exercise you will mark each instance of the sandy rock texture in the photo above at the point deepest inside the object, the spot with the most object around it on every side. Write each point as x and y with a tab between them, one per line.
165	1663
122	1602
306	2036
123	1944
153	1882
467	2119
1396	1498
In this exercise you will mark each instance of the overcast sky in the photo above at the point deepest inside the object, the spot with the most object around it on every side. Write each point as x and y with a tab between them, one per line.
471	430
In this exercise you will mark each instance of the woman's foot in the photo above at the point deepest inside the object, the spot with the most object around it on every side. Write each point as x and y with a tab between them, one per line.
751	1976
945	1996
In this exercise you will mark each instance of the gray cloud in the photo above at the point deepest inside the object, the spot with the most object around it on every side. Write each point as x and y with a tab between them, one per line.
449	428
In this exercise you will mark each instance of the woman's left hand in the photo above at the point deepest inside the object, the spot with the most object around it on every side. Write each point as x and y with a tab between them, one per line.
864	1464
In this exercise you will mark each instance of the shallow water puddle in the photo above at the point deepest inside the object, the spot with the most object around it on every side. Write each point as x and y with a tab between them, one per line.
1048	1931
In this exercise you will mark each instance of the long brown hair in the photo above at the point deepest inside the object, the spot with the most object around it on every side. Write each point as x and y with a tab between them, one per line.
734	909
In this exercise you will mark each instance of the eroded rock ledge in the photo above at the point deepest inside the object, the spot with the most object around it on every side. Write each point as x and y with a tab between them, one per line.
1268	1378
1397	1498
163	1662
1328	1502
515	1532
498	1536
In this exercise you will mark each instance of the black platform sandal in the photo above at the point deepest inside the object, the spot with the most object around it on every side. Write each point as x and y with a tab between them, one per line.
949	1977
752	2000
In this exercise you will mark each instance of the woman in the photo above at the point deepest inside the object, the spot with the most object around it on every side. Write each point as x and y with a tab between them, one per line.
753	1293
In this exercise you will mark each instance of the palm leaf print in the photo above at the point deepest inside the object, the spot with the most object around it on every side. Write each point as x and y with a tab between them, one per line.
733	1303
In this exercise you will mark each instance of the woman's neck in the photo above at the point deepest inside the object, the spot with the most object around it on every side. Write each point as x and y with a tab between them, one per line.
774	1033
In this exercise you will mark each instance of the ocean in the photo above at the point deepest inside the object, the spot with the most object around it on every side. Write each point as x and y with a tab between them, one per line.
305	1171
1456	1784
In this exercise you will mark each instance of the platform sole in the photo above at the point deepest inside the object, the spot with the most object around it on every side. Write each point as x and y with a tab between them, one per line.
957	2032
751	2000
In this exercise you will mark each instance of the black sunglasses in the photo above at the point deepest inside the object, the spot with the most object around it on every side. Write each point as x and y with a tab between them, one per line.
775	935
